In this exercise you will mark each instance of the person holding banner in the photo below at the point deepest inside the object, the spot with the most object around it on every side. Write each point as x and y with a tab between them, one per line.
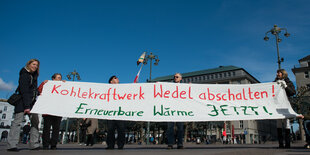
180	125
115	124
50	121
287	84
27	88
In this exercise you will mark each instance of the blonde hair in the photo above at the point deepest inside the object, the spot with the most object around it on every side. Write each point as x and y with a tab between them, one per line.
31	61
284	73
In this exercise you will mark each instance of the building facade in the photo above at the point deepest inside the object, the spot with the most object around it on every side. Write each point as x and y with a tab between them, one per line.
302	72
6	117
245	131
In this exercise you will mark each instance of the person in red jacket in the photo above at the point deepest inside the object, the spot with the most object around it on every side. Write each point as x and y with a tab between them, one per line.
50	121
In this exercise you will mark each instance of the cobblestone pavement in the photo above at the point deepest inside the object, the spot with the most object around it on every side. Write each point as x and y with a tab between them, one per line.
189	149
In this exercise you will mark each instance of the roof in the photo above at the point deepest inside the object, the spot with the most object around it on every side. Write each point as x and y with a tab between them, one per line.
305	58
201	72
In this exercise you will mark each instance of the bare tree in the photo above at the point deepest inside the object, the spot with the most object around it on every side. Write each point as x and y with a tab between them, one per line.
300	104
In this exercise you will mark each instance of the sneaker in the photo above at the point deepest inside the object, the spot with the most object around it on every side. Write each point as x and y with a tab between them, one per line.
13	149
53	148
170	147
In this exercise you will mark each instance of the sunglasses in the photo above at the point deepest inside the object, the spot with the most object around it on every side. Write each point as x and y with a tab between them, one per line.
176	77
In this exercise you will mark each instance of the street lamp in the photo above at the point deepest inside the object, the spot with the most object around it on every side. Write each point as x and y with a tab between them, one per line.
276	31
150	57
73	75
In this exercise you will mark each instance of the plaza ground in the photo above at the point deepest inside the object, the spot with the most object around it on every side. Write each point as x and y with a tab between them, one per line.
189	149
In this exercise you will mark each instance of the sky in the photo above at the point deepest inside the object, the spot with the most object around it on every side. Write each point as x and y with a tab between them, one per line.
101	38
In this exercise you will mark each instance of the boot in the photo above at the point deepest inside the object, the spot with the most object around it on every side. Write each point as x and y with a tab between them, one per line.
280	137
287	138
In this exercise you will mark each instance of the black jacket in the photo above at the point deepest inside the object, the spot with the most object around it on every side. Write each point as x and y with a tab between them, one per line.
28	89
290	89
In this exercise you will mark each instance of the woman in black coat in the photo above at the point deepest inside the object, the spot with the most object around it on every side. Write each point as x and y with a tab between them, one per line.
28	89
287	84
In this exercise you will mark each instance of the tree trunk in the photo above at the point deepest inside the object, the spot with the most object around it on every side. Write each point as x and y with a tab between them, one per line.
301	130
185	132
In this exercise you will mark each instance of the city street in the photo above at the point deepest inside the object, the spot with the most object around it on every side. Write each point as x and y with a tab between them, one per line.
189	148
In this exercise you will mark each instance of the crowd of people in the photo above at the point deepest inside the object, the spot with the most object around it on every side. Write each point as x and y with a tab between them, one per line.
28	78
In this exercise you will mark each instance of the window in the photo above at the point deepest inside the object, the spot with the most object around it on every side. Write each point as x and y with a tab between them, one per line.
241	124
220	75
228	74
225	74
3	116
2	124
234	73
216	76
211	76
5	108
307	75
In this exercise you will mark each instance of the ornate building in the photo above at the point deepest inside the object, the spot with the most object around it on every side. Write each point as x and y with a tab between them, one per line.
6	116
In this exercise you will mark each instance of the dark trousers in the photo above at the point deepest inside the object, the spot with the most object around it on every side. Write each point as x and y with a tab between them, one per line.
120	127
180	133
90	140
286	137
83	135
54	122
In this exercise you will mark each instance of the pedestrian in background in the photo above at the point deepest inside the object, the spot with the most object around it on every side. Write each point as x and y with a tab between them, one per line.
26	130
83	127
180	125
27	87
50	142
306	124
287	84
115	125
91	129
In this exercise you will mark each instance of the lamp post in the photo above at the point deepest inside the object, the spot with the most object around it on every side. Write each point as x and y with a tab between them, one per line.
150	57
73	75
276	31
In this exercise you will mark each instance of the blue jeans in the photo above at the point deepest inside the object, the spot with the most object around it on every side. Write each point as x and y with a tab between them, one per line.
25	138
307	128
180	133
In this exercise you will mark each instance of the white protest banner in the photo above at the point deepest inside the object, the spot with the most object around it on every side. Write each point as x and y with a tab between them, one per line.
164	102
